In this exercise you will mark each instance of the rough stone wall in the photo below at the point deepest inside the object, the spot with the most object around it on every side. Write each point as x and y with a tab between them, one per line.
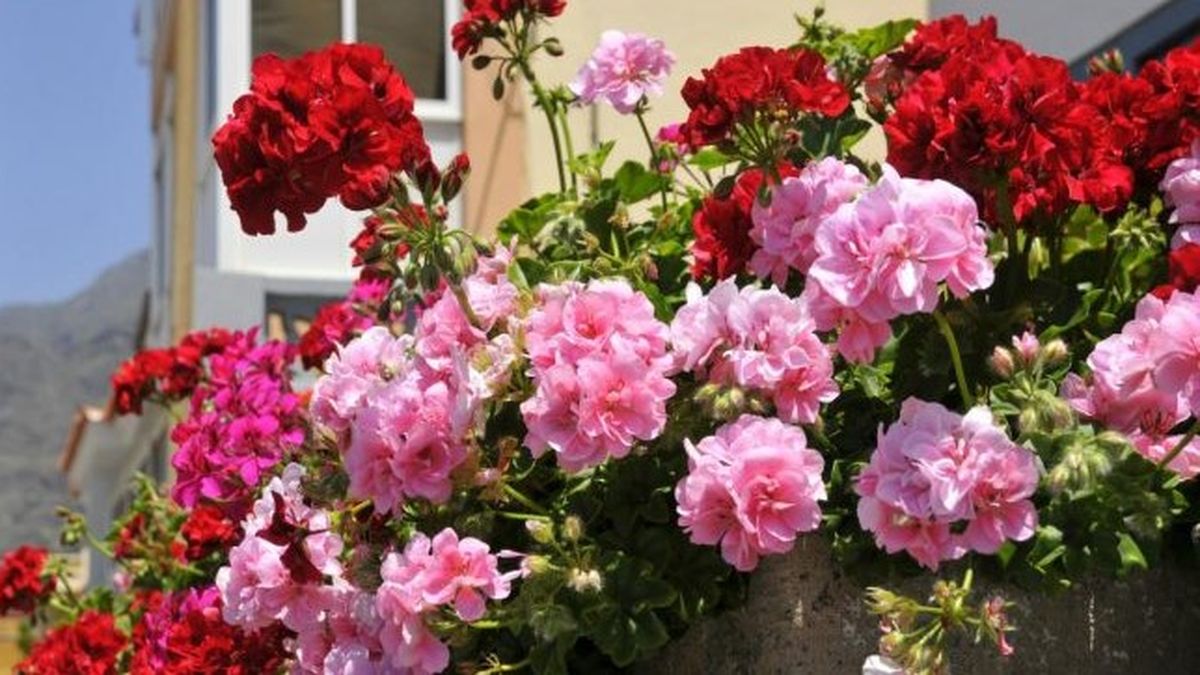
803	617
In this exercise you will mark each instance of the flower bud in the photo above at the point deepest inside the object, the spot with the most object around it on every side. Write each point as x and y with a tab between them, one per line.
582	581
454	176
1001	362
1111	61
572	528
1027	347
427	178
1054	352
541	531
535	564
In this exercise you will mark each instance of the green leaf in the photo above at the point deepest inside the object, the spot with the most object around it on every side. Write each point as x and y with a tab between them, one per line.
881	39
709	159
1130	552
634	182
1047	548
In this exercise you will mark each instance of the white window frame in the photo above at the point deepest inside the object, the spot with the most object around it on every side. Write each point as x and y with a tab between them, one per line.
220	244
235	52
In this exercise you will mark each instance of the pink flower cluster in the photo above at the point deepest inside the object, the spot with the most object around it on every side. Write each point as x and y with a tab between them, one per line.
751	487
940	484
404	406
444	571
757	339
278	571
403	422
785	229
240	425
1145	380
624	69
885	254
599	359
287	572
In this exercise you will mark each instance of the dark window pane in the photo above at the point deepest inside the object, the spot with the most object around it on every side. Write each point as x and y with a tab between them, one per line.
413	34
290	28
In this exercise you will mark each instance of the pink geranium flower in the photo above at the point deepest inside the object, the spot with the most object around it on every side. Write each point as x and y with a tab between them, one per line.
277	572
1181	186
784	230
599	360
623	69
886	254
752	488
934	470
760	340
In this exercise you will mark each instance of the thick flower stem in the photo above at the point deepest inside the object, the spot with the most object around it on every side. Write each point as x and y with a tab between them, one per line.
570	145
547	106
956	358
1183	443
641	118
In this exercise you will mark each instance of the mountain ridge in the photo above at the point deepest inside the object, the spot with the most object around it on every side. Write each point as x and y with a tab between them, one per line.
55	357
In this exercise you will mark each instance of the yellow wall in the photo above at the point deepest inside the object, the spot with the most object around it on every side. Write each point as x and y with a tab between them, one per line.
9	654
183	215
697	32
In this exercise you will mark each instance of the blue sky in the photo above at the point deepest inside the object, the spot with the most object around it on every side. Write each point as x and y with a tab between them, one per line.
74	145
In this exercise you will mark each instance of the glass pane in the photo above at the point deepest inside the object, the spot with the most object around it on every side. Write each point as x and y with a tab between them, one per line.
413	34
290	28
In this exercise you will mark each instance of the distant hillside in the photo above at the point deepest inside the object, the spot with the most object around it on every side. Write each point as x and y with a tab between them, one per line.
54	357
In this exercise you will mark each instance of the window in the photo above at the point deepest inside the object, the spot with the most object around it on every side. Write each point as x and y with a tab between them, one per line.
412	33
289	28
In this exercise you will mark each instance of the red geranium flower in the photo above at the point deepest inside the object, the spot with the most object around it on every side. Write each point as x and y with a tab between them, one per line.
758	80
333	123
206	531
722	228
481	19
89	646
982	111
23	582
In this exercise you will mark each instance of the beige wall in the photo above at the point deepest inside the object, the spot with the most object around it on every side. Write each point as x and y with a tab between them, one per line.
697	32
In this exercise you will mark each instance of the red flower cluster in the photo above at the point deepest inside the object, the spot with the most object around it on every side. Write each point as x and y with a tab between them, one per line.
481	19
129	537
336	323
336	122
981	112
183	634
171	372
23	585
1183	271
722	246
206	531
758	80
90	646
1153	116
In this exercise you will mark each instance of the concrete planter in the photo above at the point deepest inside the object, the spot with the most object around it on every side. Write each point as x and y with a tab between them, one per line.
802	616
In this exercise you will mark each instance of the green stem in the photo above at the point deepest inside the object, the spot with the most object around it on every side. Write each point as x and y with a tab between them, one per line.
465	304
522	516
640	113
524	501
505	668
955	357
1183	442
543	102
566	132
